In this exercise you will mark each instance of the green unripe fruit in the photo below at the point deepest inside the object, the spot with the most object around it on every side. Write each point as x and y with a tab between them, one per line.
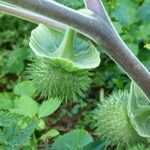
139	147
59	71
113	124
53	81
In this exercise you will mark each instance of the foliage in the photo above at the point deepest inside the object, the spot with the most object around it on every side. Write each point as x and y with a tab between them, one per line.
49	134
5	101
74	4
25	115
12	133
7	118
18	136
21	115
144	12
96	145
73	140
113	121
51	44
24	88
14	44
139	111
48	107
25	105
58	63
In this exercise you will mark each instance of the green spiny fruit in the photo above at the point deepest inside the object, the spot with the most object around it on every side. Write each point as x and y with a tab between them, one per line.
58	71
139	147
113	124
53	81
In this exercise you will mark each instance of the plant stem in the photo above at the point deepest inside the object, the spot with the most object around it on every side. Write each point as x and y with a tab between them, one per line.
66	47
97	7
97	30
31	16
34	141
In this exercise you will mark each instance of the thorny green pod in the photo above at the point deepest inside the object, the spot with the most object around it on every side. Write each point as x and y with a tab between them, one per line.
113	123
60	70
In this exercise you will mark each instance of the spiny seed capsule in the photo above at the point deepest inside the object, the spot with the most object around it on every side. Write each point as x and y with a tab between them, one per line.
113	124
58	71
53	81
139	147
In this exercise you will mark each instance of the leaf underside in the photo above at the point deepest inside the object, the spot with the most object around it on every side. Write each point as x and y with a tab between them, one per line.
45	42
139	111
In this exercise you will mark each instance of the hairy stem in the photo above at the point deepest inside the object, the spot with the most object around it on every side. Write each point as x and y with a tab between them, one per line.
66	47
96	29
97	7
31	16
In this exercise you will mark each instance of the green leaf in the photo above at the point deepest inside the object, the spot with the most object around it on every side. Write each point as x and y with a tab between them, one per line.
45	43
74	4
147	64
147	46
144	11
1	15
134	48
44	47
96	145
48	107
7	118
139	111
5	101
49	134
118	27
9	147
26	106
2	137
18	136
24	88
41	125
15	63
144	31
74	140
125	11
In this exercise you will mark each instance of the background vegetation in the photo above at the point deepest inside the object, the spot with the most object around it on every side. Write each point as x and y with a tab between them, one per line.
132	21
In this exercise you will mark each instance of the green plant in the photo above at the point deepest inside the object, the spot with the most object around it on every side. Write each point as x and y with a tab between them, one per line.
62	71
22	115
138	147
74	140
113	121
139	111
61	65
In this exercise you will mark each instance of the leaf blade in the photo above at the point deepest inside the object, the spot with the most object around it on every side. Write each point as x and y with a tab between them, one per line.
48	107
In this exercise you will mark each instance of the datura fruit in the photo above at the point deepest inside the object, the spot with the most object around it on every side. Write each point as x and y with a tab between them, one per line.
62	64
138	147
113	123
